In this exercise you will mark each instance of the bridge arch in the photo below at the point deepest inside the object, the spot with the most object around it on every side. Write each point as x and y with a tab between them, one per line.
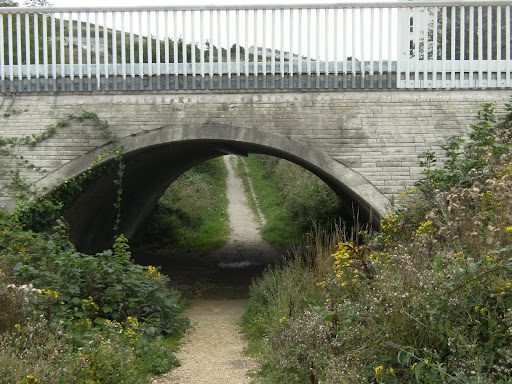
155	158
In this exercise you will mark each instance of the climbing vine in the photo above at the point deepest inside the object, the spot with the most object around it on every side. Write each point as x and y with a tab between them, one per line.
36	211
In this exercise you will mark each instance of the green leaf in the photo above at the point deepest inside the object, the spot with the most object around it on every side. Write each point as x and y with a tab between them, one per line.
417	370
432	376
502	250
107	309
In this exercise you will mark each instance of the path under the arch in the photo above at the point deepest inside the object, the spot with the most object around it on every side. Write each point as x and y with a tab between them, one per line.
227	272
213	350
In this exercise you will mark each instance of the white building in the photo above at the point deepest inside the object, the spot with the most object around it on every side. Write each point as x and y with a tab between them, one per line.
415	24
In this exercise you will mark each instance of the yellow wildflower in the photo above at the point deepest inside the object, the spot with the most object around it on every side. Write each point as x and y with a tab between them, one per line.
32	379
408	191
91	302
113	323
153	272
49	292
425	228
388	224
132	321
502	287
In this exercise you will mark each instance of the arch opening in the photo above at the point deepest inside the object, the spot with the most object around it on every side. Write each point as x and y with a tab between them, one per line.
154	159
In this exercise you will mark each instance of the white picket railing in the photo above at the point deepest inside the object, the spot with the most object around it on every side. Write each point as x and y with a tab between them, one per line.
319	46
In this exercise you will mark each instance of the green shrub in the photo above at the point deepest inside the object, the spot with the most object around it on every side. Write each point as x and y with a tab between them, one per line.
489	139
106	285
42	352
72	317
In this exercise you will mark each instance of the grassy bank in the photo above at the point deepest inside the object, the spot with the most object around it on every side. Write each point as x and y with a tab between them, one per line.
428	300
291	198
192	213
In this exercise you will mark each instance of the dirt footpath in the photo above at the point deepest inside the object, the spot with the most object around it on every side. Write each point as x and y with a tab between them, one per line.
212	352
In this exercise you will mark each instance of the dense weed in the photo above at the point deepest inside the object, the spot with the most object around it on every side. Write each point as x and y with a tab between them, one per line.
68	317
427	300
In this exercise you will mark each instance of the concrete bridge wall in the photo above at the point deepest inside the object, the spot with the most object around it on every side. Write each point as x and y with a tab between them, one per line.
365	144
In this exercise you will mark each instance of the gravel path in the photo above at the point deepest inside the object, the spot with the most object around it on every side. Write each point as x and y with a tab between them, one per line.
212	352
245	244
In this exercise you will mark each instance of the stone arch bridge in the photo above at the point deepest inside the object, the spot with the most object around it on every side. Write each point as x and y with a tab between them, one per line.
364	144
